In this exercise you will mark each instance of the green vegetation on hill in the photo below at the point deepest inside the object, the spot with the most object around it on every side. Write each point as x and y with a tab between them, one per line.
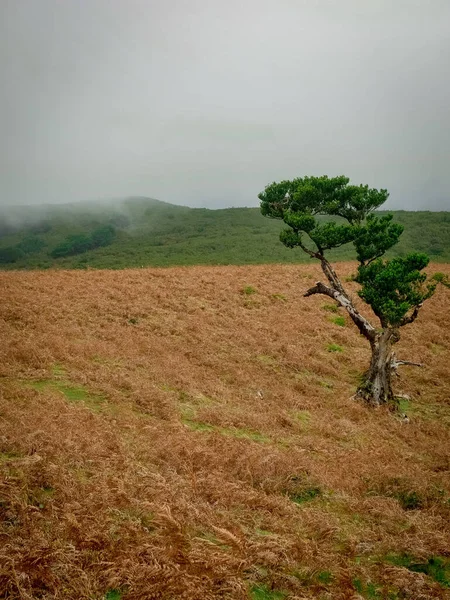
144	232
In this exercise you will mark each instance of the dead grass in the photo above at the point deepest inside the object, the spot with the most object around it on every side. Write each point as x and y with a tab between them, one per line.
165	435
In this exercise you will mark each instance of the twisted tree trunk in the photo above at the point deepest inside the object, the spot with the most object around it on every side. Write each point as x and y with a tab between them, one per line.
376	388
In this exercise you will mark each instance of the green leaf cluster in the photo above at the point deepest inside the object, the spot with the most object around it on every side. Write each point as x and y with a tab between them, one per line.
299	201
79	243
394	286
321	195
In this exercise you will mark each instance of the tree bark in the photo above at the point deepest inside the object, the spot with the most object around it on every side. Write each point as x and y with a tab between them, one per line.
376	388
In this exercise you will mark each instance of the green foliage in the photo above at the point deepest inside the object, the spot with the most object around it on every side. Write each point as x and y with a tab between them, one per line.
369	590
298	202
31	244
152	233
79	243
325	577
103	236
249	290
339	321
331	307
113	595
393	287
10	254
442	279
306	494
73	244
321	195
334	348
262	592
376	237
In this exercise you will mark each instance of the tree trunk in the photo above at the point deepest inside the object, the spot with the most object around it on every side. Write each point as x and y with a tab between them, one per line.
376	388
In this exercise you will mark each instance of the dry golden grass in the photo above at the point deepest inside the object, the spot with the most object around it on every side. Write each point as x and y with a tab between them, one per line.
190	433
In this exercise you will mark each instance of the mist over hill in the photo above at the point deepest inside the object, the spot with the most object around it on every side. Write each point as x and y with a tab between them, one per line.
139	231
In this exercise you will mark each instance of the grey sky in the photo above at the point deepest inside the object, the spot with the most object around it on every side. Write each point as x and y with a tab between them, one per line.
204	102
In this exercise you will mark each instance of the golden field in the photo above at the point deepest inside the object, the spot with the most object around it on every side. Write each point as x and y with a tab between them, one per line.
191	433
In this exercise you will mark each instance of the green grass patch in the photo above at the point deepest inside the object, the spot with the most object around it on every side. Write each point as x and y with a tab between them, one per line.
403	404
369	590
281	297
326	384
7	456
300	489
305	495
334	308
304	416
72	392
340	321
113	594
334	348
325	577
263	592
248	290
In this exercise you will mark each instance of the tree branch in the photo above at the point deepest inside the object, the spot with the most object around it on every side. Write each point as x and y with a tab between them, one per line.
330	274
413	316
395	363
365	328
311	253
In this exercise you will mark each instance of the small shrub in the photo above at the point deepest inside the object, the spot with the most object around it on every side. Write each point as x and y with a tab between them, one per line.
249	290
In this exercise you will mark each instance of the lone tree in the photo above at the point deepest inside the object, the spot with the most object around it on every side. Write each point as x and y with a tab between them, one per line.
395	289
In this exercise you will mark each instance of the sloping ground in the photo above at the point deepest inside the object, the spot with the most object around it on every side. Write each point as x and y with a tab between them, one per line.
190	433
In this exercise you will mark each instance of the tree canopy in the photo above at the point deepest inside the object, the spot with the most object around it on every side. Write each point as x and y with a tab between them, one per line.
395	289
391	287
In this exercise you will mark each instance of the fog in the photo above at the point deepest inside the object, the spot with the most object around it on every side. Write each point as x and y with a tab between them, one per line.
203	102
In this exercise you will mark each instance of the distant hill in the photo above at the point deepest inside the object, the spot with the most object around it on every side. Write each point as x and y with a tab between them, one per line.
146	232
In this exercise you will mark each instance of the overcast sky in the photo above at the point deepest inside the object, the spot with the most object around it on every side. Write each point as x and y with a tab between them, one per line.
204	102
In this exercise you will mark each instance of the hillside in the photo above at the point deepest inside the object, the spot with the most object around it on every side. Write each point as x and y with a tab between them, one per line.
191	433
145	232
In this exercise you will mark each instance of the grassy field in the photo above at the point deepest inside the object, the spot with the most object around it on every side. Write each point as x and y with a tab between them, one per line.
152	233
191	433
